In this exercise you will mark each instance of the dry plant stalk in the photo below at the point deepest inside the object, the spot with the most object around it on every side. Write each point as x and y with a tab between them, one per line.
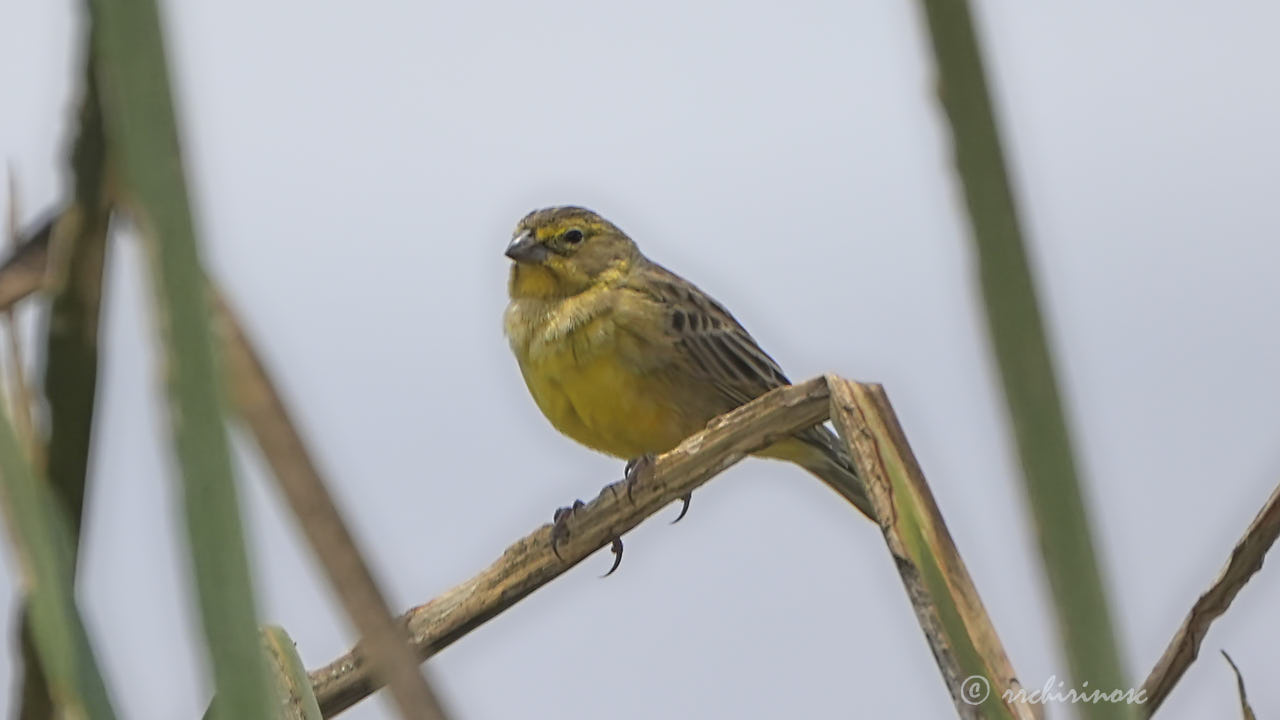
299	478
1246	559
964	642
23	272
529	563
1245	709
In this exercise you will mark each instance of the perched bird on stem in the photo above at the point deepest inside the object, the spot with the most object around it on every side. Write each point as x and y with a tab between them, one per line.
628	358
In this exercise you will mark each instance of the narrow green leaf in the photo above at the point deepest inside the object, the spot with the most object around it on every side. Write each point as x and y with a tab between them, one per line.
71	349
143	135
71	346
42	538
294	696
1026	364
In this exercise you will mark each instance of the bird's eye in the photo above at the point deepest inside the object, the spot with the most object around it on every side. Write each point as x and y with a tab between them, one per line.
573	237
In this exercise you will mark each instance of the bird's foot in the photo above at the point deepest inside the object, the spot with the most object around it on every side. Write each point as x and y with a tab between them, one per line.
560	526
638	468
560	533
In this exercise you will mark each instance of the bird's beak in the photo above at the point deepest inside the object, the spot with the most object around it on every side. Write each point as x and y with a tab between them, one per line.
526	248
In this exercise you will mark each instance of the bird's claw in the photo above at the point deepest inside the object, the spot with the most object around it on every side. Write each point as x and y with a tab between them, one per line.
616	548
560	526
560	533
637	469
686	498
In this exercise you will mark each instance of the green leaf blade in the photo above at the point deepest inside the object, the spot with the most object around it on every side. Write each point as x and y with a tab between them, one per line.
142	130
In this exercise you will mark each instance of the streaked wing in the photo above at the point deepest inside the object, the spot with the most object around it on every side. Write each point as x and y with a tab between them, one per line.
714	345
719	354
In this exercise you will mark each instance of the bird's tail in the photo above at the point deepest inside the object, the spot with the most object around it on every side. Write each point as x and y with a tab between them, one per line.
819	451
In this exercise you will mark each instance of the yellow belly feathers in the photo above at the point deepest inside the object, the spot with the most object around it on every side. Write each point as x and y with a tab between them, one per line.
590	377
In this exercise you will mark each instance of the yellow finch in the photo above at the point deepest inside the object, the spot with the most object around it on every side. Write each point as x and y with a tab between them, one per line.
627	357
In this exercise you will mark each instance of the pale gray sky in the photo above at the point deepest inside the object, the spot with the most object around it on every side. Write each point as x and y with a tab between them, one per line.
358	167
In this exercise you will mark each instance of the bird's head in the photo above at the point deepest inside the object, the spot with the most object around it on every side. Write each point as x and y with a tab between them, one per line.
563	251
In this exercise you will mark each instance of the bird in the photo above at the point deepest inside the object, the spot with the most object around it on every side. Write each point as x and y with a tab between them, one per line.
628	358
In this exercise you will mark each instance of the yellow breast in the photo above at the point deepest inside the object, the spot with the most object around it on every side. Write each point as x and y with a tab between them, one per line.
586	375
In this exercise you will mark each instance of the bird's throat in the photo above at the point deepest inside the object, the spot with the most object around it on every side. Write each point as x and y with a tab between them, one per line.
535	282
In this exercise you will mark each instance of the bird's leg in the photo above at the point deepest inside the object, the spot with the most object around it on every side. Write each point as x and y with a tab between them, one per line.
560	533
560	526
